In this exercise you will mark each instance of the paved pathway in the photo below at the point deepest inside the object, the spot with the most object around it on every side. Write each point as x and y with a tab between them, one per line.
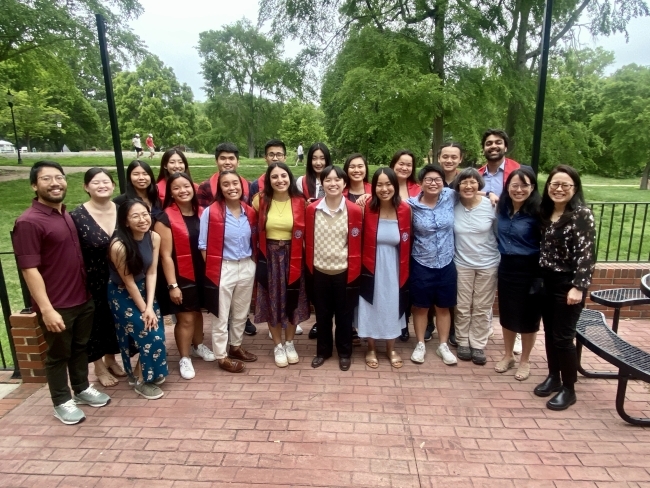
421	426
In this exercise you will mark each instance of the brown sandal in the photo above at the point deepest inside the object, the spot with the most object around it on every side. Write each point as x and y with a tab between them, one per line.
371	359
116	370
395	359
504	365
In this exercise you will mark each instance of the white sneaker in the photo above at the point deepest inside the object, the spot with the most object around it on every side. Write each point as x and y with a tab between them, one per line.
290	351
518	347
490	332
298	330
270	335
203	352
281	360
447	357
187	370
419	353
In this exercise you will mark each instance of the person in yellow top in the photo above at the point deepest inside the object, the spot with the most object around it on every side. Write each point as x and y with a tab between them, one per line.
281	293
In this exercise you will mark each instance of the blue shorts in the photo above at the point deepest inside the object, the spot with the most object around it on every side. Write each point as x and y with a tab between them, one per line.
432	286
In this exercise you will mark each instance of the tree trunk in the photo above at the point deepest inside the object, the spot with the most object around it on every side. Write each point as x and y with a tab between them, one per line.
439	69
644	176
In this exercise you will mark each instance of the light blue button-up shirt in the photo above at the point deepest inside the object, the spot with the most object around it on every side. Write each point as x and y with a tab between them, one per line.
433	230
237	238
494	183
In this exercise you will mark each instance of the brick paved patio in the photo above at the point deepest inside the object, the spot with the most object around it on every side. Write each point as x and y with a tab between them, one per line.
425	425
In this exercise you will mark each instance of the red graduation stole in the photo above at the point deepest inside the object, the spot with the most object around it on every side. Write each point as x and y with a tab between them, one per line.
214	180
305	188
355	224
367	189
181	239
370	227
297	236
413	188
260	184
214	250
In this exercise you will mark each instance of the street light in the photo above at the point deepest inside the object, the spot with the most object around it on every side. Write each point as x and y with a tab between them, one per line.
58	126
10	102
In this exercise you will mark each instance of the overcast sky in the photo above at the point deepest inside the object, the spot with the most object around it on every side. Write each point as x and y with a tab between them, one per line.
172	33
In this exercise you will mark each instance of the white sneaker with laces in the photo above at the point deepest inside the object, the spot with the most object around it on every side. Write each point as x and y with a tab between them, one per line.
290	351
447	357
91	396
518	347
281	360
187	370
69	413
203	352
298	330
418	353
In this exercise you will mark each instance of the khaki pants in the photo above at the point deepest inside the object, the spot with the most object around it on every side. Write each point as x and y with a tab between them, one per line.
235	292
476	289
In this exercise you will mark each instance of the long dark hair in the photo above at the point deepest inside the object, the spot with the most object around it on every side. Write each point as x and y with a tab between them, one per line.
220	197
168	192
531	205
351	157
406	152
92	172
311	173
578	199
392	177
163	174
132	259
267	195
152	190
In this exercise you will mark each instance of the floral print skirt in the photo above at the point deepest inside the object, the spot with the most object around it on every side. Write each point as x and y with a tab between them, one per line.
129	325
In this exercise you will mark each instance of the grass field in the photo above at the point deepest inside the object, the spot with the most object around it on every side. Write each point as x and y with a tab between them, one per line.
16	196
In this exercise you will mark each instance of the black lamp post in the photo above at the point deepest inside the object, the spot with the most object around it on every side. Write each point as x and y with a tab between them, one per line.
10	102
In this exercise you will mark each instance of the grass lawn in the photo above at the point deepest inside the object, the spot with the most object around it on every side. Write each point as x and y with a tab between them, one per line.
16	195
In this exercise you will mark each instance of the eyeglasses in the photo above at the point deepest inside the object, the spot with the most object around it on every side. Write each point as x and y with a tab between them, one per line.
139	217
468	183
275	155
517	187
565	186
57	178
428	181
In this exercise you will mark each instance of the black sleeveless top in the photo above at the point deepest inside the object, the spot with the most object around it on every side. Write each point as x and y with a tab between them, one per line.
145	249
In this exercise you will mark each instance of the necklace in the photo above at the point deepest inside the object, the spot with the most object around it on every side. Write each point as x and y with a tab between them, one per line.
280	212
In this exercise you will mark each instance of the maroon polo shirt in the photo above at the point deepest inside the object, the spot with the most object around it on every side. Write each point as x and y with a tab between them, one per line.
47	240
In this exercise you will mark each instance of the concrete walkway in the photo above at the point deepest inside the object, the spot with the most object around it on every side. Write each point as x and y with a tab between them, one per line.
420	426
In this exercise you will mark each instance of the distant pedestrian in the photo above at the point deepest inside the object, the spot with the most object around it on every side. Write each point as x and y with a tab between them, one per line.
137	145
150	146
301	154
49	256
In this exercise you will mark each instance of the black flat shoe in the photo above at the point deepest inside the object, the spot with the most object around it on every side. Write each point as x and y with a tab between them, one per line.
313	333
563	400
550	385
452	340
250	328
317	362
344	363
405	336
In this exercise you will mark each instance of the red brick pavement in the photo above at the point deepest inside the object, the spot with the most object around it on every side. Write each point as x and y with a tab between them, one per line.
421	426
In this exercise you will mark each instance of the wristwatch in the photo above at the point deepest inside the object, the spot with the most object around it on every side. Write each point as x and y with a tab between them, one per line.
172	286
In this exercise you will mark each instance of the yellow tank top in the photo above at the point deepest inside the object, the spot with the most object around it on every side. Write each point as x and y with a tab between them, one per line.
279	221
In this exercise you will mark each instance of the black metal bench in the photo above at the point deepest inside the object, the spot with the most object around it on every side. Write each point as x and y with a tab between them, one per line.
632	362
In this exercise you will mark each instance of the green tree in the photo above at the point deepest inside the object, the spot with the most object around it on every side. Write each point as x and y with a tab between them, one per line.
302	123
379	95
623	123
244	71
150	99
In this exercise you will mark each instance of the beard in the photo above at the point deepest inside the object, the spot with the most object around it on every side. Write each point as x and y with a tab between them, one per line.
492	156
49	198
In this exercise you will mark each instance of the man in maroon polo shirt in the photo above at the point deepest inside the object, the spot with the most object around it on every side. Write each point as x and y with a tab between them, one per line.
49	256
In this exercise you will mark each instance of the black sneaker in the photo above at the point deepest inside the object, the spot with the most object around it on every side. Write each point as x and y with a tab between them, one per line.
313	333
452	339
478	357
405	334
429	332
250	328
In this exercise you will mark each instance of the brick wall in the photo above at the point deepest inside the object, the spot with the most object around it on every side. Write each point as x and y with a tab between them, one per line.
614	275
30	347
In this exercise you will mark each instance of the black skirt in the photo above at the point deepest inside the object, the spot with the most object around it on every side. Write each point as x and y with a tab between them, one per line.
520	293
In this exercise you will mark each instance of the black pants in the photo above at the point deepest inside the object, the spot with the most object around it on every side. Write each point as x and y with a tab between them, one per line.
560	322
330	301
66	352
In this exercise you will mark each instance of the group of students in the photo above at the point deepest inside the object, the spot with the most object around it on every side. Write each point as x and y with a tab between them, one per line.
365	252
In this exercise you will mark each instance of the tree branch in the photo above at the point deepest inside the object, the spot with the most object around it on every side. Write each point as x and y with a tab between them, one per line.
567	27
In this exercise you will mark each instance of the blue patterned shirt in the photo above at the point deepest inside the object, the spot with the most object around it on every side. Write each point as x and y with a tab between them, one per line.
433	230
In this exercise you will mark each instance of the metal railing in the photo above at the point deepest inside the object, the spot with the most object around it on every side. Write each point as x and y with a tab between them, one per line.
5	364
621	234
